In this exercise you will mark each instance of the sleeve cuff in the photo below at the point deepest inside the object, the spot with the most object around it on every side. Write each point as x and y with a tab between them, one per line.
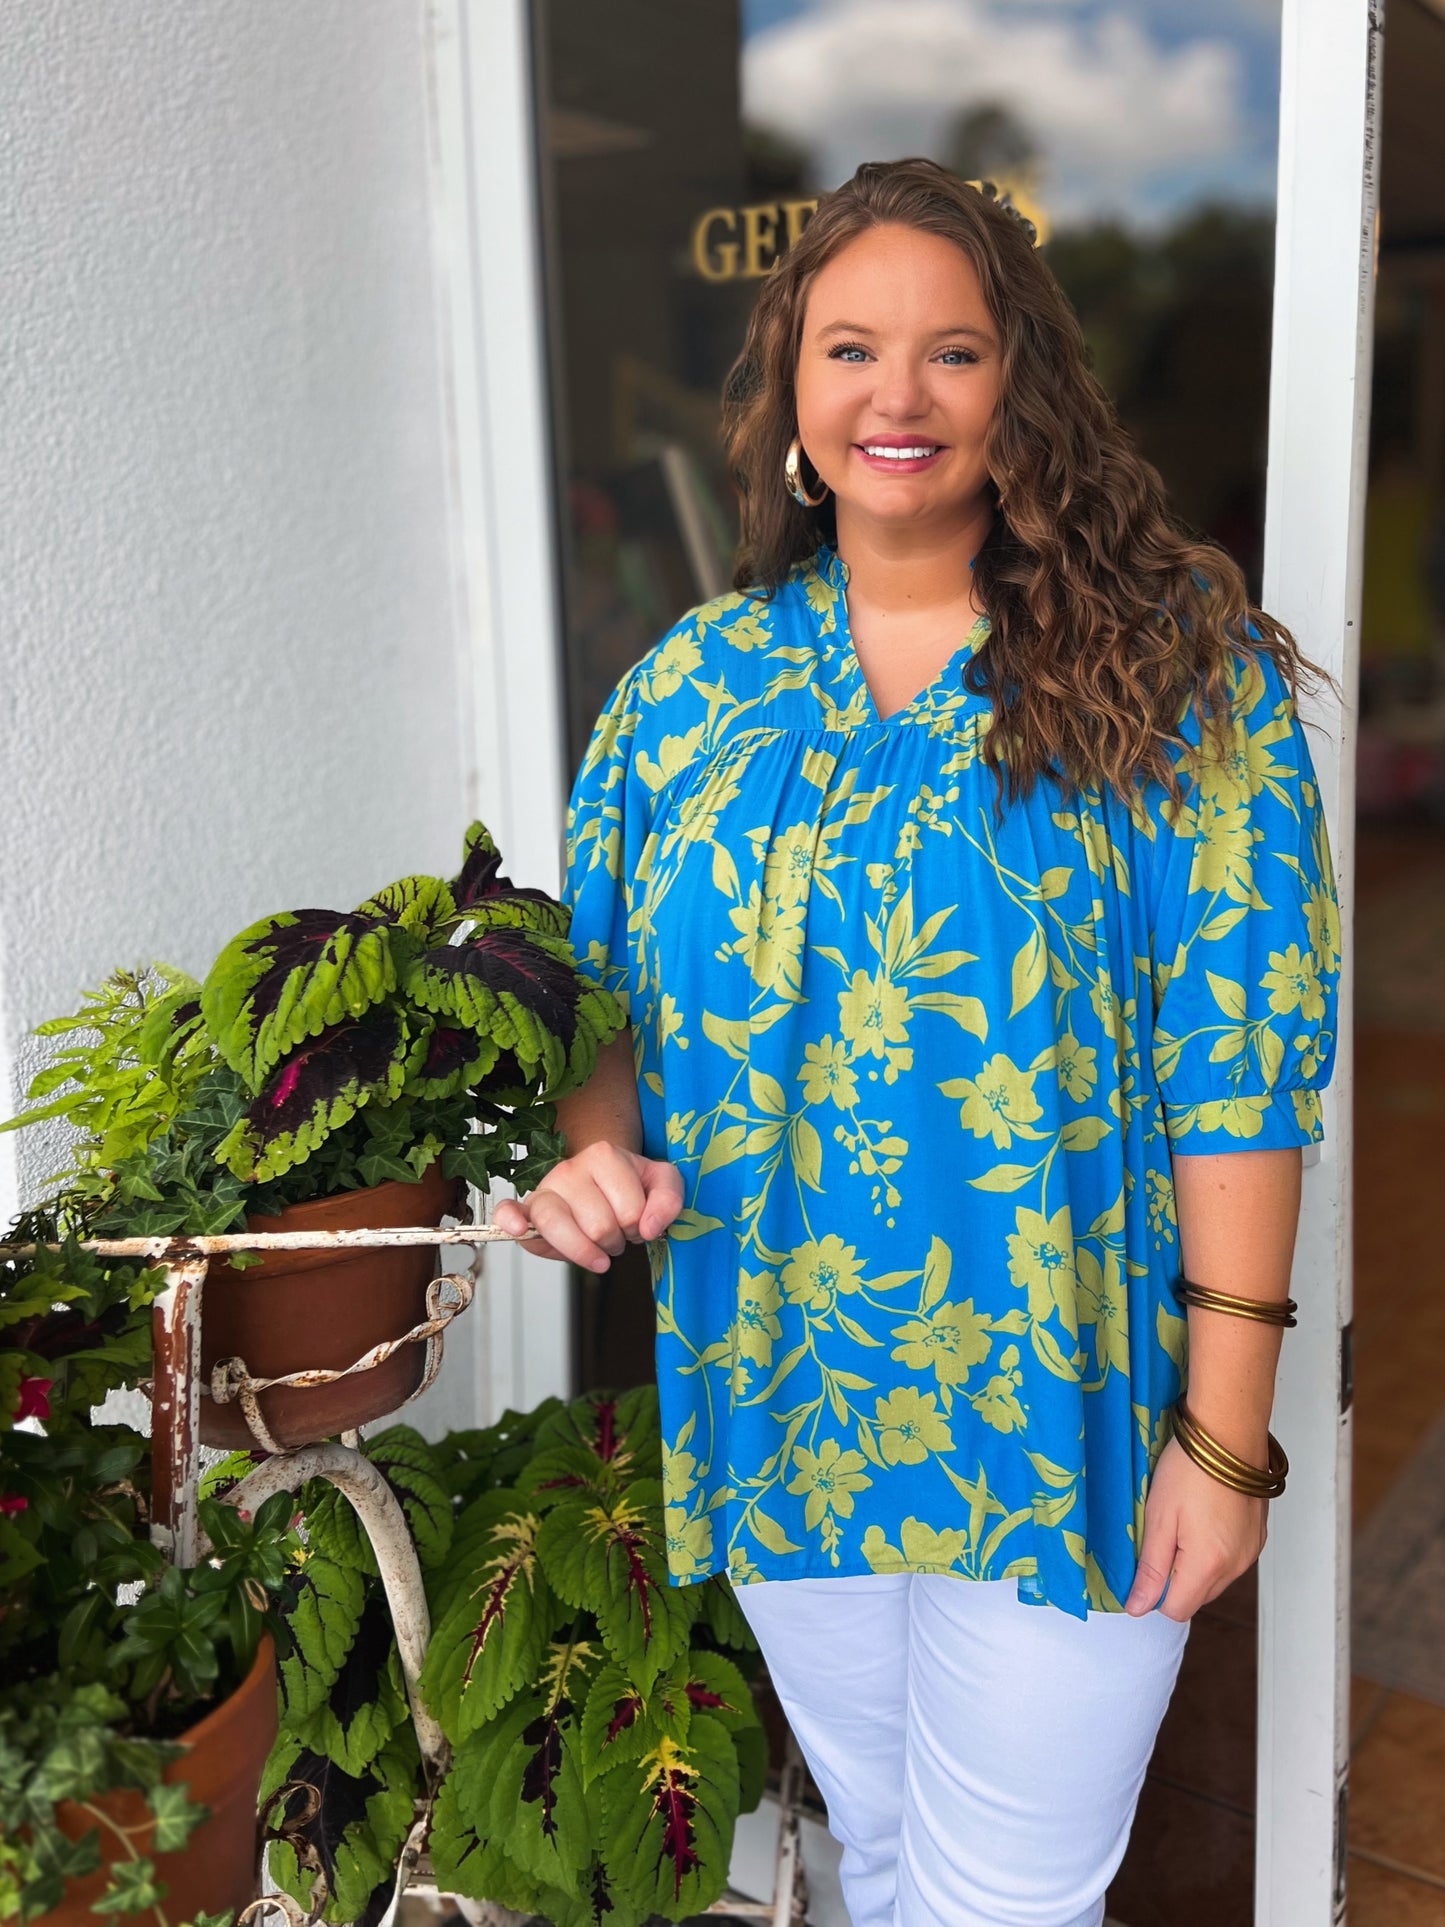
1276	1121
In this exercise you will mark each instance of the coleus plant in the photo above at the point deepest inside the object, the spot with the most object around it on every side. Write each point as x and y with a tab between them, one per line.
426	991
326	1052
603	1733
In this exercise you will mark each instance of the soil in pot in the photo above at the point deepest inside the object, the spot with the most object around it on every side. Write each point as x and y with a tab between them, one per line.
216	1871
300	1310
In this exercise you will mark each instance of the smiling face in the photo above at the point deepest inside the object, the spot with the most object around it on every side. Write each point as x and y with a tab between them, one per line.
898	378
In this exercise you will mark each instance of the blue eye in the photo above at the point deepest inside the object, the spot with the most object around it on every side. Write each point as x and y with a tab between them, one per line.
964	357
846	348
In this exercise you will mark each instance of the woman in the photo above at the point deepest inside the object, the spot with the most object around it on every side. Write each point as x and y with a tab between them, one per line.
965	878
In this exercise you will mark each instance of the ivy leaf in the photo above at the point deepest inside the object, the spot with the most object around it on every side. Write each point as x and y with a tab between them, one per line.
490	1641
176	1817
667	1823
320	1086
610	1559
133	1888
290	977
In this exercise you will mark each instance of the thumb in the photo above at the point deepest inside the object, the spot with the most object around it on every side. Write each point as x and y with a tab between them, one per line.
662	1188
1156	1561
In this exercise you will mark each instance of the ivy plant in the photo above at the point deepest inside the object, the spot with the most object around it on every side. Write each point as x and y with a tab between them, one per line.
602	1729
108	1654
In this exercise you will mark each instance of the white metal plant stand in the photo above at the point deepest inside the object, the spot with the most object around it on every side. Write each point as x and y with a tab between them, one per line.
176	1468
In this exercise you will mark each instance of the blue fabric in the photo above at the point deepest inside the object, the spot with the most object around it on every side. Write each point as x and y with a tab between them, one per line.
921	1066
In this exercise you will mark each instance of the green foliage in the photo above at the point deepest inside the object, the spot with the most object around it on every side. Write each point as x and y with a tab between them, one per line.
95	1689
602	1741
429	991
326	1052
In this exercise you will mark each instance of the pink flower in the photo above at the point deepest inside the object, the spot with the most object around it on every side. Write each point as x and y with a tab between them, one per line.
34	1398
11	1503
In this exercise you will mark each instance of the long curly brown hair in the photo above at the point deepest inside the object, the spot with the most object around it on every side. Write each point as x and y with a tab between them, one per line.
1109	618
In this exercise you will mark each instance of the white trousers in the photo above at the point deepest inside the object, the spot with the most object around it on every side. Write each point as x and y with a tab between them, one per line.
981	1758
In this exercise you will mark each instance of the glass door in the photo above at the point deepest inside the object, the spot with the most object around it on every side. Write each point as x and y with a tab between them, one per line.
681	152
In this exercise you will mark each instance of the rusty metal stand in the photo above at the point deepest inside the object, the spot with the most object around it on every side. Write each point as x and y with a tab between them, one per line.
176	1474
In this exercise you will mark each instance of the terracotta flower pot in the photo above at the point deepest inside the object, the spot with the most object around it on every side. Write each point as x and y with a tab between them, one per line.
299	1310
216	1871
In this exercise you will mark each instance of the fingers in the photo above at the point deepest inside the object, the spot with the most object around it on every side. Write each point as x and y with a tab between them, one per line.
1156	1561
1199	1536
662	1184
591	1206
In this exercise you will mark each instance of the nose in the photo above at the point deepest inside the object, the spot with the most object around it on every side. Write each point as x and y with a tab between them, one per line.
899	391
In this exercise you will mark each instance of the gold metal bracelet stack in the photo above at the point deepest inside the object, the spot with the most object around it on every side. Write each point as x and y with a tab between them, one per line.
1222	1464
1264	1311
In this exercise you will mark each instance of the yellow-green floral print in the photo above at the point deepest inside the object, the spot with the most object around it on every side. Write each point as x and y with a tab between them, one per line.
921	1062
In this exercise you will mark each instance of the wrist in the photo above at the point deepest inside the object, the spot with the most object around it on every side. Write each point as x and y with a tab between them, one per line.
1241	1426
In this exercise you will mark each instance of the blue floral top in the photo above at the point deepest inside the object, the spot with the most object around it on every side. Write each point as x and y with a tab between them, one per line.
922	1066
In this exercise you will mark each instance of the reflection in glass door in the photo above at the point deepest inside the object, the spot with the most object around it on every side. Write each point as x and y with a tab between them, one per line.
684	148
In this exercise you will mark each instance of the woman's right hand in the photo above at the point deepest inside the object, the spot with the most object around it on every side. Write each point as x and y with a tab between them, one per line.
590	1207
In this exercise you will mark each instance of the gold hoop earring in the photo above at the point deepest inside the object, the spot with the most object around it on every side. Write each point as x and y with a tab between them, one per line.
793	476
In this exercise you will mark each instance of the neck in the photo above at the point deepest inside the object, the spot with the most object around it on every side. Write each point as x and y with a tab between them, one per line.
912	569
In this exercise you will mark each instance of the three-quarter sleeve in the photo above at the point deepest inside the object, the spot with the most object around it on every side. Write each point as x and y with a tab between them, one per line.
1245	933
599	829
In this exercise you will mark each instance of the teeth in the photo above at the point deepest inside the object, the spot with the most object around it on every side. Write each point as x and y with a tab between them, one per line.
902	454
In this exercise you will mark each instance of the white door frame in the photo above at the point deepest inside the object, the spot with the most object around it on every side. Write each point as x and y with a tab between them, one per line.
1314	537
508	615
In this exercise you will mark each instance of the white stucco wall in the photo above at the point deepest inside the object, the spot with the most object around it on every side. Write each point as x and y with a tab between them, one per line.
231	671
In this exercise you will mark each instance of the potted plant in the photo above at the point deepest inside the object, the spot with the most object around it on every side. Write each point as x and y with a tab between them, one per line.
603	1732
334	1070
138	1701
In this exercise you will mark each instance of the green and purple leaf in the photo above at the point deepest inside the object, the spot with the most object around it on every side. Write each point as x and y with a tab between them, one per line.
319	1087
610	1560
667	1823
521	990
290	977
481	891
489	1640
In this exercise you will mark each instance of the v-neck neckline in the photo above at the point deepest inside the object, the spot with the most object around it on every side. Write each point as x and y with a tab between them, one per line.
832	569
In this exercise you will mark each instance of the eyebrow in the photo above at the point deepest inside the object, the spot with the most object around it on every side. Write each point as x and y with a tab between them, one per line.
857	328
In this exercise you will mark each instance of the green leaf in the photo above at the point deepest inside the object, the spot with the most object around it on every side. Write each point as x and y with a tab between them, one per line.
667	1823
491	1639
134	1888
321	1617
412	1473
176	1817
610	1561
291	977
466	1860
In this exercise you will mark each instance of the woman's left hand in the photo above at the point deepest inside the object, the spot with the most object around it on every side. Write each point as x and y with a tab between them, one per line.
1199	1536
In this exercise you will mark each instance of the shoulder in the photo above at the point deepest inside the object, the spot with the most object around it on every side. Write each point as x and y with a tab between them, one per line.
729	644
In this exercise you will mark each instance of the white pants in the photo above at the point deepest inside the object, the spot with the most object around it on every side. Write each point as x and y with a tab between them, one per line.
981	1758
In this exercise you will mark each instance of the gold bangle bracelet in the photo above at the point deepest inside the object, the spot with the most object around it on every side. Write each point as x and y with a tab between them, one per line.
1220	1463
1264	1311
